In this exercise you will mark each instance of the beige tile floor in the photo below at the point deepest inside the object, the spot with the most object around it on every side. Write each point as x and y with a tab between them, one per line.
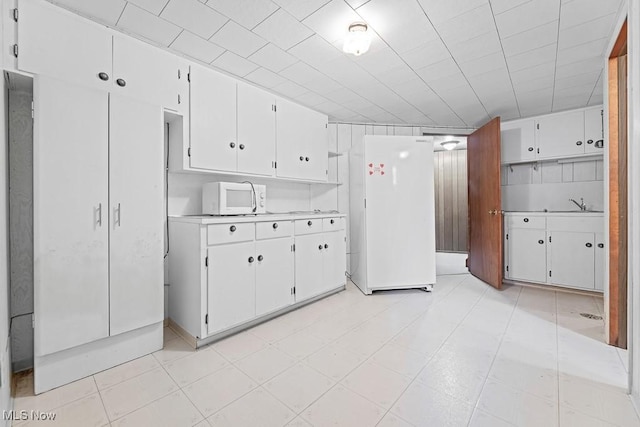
464	355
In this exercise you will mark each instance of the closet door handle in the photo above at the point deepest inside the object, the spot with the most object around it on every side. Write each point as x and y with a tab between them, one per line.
260	257
275	225
121	82
601	245
589	245
319	247
541	242
590	141
232	144
309	223
241	146
326	246
103	76
232	228
301	158
530	149
250	260
578	142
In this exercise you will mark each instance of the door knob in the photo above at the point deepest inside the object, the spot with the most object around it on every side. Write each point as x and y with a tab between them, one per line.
590	141
232	228
320	247
250	259
601	245
306	158
103	76
326	246
241	146
541	241
526	220
121	82
309	223
332	221
301	158
578	142
260	257
232	144
275	225
530	149
588	245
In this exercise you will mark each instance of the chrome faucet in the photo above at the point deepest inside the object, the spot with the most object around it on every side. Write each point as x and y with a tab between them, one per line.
581	205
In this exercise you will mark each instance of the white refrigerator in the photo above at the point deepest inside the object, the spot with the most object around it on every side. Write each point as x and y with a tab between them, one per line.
392	213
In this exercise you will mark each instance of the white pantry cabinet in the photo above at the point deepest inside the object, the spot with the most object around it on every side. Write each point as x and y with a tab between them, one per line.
302	143
517	139
62	45
228	273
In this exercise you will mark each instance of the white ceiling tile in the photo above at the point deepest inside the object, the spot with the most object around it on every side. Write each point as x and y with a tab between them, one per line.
440	11
289	89
467	25
426	54
273	58
301	8
485	64
445	84
493	81
332	20
444	117
356	3
358	103
577	80
315	51
345	71
401	23
310	99
237	39
194	16
138	21
234	64
534	84
527	16
438	70
570	102
596	99
460	97
396	75
531	39
322	85
153	6
581	52
477	47
196	47
106	12
578	12
500	6
593	64
589	31
546	69
247	13
282	29
532	58
583	90
342	96
301	73
378	62
265	78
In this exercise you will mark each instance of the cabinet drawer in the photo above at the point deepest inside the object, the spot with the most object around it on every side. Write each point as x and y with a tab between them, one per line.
524	221
308	226
274	229
330	224
229	233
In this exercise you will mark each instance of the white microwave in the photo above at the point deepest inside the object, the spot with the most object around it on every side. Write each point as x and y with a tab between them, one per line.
233	198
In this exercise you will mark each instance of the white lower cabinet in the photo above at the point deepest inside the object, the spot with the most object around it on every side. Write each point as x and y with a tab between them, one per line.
224	275
560	250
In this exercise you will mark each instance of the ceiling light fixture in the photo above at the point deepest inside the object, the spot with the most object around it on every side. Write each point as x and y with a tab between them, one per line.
449	145
357	40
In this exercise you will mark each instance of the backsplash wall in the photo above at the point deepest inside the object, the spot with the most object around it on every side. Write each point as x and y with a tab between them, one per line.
550	185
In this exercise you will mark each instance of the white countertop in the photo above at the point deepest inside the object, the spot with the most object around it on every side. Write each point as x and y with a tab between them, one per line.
209	219
552	213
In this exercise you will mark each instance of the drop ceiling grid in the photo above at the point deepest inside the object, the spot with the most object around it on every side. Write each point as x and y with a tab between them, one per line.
470	59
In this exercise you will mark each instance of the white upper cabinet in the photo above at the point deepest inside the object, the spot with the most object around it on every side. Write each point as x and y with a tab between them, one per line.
59	44
145	73
561	135
593	131
256	130
517	141
302	150
212	115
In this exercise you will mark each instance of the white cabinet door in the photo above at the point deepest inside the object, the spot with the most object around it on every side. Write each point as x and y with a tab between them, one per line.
136	214
600	255
309	267
212	115
231	284
59	44
561	135
593	131
517	141
144	72
274	274
256	131
302	145
335	259
71	248
527	255
571	259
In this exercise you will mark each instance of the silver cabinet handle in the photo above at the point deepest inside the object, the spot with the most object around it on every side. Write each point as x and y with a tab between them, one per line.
99	220
117	215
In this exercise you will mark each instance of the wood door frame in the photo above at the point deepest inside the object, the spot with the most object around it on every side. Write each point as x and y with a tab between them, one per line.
617	307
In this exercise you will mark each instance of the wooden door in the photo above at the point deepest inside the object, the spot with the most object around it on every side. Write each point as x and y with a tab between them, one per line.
212	116
70	218
60	44
485	218
256	131
231	285
136	214
274	274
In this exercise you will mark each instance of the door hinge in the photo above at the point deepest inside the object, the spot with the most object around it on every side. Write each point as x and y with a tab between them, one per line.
549	273
507	236
507	268
327	172
294	290
365	203
275	108
538	126
538	151
206	319
179	99
293	247
549	239
189	77
32	110
189	152
15	50
179	75
275	165
206	261
15	14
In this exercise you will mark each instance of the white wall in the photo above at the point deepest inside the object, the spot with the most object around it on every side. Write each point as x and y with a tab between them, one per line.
550	185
